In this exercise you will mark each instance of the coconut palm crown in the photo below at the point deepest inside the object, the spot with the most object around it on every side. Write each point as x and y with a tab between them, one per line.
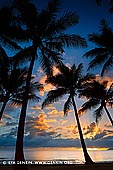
98	96
102	54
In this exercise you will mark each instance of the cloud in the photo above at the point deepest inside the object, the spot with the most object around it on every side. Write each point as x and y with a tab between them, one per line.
1	123
105	78
37	107
55	71
42	138
47	87
10	124
39	126
99	136
55	113
42	80
7	116
50	107
91	130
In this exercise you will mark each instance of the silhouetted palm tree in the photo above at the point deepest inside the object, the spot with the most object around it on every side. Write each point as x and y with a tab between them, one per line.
10	86
12	83
45	30
99	96
102	53
68	82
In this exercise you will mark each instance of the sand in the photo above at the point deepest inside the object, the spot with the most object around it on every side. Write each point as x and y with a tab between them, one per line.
102	166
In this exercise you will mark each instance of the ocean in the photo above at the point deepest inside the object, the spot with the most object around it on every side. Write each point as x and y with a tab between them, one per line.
50	154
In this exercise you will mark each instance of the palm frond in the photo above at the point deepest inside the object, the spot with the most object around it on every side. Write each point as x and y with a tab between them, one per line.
107	65
24	55
98	113
53	96
4	60
17	102
91	103
67	105
54	56
97	61
46	64
109	96
57	80
104	25
53	7
27	11
36	86
55	46
96	52
72	40
95	38
84	81
48	59
18	34
67	20
5	41
110	90
33	97
79	70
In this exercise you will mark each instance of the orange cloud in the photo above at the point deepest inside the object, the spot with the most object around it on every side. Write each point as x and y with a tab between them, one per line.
1	123
105	78
91	130
55	71
55	113
47	87
35	107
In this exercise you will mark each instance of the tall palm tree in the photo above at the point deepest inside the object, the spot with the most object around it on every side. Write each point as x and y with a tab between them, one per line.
103	52
99	96
46	33
67	82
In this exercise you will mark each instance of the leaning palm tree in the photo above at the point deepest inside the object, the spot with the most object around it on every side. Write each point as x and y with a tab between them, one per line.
12	89
99	96
67	82
10	86
12	83
45	30
102	54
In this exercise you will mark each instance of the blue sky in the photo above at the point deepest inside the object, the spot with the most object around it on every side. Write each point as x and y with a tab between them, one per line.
49	127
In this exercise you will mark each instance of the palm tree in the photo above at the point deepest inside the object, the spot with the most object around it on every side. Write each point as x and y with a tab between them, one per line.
12	87
46	33
103	52
12	83
67	82
99	96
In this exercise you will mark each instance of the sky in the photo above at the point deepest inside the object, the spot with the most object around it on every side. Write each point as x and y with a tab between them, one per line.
49	127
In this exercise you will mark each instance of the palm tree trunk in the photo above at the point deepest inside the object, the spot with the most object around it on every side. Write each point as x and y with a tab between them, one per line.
88	160
19	153
108	114
3	108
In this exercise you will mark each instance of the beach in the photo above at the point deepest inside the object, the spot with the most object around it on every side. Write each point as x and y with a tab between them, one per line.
97	166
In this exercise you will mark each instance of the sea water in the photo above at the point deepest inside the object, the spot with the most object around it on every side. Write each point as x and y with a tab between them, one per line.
51	154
